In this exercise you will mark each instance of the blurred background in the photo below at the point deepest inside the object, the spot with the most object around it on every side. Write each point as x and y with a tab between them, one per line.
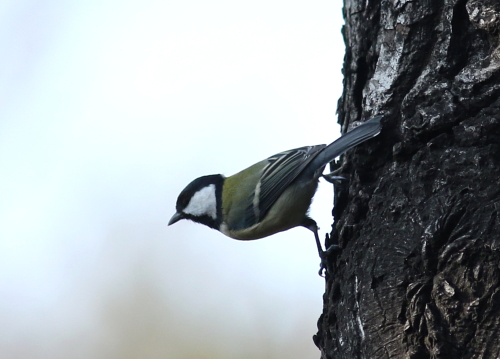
107	110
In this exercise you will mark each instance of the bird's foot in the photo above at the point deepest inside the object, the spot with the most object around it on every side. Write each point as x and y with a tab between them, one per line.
325	255
330	177
323	265
333	248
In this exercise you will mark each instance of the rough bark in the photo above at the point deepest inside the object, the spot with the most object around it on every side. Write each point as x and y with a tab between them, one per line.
418	224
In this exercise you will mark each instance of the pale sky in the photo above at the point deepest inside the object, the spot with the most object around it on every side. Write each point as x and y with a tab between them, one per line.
107	110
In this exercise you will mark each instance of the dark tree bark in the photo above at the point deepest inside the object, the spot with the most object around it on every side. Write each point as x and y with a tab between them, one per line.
418	224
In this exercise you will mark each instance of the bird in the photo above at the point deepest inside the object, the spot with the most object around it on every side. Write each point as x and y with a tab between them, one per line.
272	195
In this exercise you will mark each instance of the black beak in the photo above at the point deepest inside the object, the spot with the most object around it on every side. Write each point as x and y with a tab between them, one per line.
175	218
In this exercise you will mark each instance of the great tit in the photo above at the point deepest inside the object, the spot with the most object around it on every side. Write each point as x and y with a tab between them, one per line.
271	196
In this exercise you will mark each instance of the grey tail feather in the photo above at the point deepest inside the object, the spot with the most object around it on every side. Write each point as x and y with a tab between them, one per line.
363	132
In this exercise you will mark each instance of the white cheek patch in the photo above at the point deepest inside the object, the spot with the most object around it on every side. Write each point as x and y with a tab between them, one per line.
203	202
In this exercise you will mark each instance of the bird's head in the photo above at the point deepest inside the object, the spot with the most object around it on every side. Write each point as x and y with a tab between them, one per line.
200	201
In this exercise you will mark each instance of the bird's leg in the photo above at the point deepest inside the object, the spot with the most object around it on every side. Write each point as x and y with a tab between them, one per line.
322	254
310	224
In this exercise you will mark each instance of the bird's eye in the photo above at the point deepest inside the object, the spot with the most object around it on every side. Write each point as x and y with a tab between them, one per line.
182	201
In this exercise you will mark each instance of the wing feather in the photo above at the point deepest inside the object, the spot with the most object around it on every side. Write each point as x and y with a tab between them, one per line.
281	170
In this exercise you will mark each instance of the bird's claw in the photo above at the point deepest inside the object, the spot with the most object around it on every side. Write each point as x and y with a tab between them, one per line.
334	179
322	265
331	249
324	258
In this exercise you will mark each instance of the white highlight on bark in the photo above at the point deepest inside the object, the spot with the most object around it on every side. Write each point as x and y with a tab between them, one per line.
358	318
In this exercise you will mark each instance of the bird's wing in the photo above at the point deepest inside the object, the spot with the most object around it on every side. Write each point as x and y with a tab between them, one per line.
277	175
267	180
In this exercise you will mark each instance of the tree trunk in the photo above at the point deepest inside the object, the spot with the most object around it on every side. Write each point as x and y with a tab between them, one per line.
418	223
